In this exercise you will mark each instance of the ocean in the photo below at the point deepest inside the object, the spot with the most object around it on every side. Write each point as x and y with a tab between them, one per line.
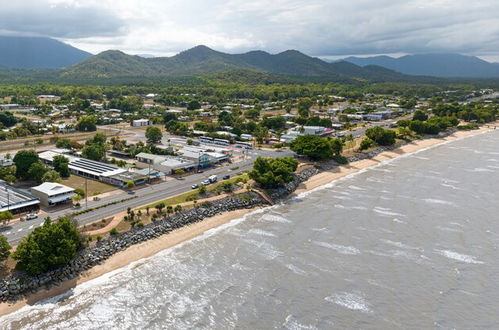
409	244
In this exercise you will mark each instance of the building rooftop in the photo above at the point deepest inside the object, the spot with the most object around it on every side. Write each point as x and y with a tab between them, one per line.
53	188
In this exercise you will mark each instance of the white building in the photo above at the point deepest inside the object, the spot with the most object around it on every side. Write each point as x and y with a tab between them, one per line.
141	122
51	193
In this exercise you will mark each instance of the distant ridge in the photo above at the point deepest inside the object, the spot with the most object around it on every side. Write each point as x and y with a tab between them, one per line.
202	60
438	65
38	53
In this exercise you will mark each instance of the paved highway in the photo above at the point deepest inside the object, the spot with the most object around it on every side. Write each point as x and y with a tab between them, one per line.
149	194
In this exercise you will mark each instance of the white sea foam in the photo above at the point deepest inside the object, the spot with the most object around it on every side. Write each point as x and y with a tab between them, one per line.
342	249
438	201
275	218
400	245
356	188
261	232
399	221
453	230
295	269
459	257
386	212
292	323
351	301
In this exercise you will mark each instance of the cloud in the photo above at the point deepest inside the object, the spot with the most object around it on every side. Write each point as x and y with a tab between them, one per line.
58	19
316	27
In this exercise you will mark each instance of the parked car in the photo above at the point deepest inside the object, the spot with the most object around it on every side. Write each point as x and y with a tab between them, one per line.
206	182
31	216
226	177
194	186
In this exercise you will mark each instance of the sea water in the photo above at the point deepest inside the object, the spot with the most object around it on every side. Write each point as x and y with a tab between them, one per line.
411	243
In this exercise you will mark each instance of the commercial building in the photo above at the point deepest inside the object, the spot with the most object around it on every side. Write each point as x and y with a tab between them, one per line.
95	170
16	201
203	157
51	193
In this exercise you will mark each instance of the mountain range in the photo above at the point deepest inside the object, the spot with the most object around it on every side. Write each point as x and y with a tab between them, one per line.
437	65
33	59
202	60
38	53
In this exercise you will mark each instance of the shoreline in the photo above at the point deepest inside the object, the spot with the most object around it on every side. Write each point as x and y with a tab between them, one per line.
151	247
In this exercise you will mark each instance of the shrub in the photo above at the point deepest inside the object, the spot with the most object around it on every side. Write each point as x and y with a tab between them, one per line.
366	143
113	231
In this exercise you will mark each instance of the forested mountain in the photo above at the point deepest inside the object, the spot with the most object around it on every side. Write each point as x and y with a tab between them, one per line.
38	53
438	65
202	60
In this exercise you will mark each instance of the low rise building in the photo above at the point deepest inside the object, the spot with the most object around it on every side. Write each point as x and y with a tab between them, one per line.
16	201
51	193
141	122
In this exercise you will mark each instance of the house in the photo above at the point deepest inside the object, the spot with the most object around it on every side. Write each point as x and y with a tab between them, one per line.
51	193
141	122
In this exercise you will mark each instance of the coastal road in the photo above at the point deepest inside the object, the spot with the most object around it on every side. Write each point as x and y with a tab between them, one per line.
147	195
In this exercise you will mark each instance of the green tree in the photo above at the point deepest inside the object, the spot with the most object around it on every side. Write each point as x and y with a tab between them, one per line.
94	152
61	165
5	217
193	105
316	147
304	105
366	143
381	136
153	134
202	189
419	115
37	171
87	123
130	184
63	143
270	173
4	248
23	160
51	176
177	208
52	245
99	138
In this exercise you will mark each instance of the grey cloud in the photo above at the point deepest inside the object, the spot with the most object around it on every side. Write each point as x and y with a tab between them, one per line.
36	17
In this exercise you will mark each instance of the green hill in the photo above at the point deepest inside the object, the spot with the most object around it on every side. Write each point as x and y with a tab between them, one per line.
202	60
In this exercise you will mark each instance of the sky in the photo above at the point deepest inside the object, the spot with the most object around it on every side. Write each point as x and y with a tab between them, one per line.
323	28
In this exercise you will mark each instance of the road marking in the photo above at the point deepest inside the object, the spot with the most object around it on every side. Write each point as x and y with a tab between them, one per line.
31	227
20	229
8	233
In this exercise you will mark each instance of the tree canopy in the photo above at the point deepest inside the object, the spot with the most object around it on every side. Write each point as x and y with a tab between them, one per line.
272	172
23	160
51	245
316	147
153	134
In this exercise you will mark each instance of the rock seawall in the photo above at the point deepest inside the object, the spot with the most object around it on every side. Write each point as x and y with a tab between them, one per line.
15	286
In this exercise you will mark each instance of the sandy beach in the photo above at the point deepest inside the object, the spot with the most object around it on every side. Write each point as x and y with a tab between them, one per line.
149	248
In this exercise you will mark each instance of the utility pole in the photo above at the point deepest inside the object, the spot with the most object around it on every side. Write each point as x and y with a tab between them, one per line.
86	193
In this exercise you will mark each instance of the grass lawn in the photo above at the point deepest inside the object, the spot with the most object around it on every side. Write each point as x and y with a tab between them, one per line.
94	187
194	194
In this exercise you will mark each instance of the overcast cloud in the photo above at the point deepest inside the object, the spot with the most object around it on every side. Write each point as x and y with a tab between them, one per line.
316	27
